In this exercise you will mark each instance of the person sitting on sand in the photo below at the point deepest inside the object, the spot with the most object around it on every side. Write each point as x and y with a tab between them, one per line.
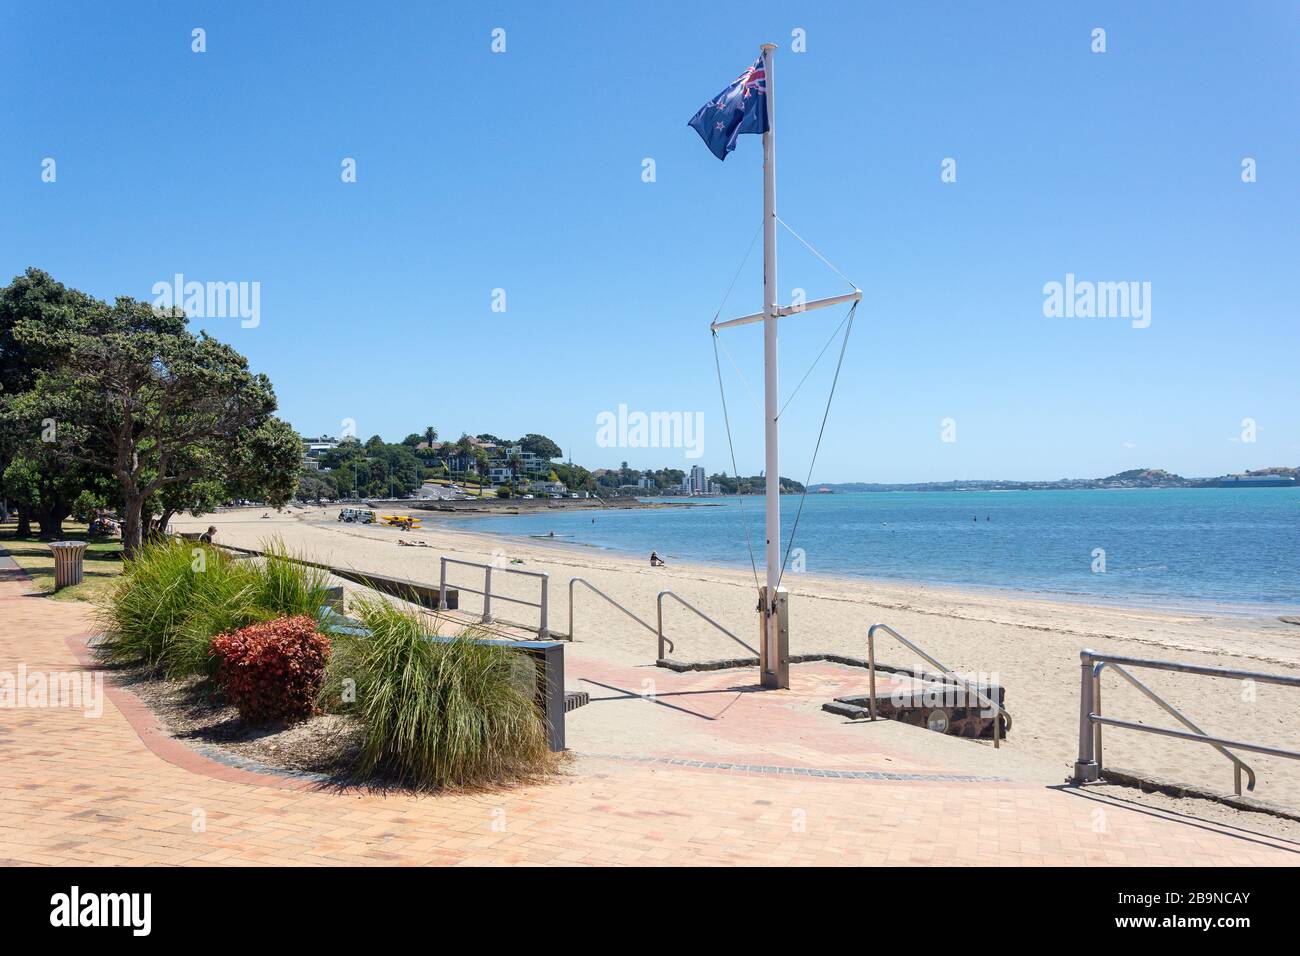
206	537
656	561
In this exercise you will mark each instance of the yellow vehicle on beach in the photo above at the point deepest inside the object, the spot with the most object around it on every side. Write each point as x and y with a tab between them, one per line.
405	522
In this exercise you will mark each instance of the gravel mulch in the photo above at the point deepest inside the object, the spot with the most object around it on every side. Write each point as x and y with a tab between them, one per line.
192	710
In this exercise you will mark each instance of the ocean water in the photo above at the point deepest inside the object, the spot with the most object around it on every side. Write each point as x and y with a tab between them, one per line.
1227	547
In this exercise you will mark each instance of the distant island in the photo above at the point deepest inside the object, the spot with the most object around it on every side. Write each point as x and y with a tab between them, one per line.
1276	477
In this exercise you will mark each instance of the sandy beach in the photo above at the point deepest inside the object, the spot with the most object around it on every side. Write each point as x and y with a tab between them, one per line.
1029	644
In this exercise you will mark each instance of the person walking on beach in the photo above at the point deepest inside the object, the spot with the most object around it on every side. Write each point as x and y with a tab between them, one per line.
656	561
206	537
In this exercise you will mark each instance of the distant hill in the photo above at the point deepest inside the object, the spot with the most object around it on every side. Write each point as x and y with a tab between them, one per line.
1133	478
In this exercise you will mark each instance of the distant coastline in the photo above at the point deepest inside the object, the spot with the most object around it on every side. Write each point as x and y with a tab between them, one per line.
1279	477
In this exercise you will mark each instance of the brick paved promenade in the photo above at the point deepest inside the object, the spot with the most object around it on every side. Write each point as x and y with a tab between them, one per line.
708	772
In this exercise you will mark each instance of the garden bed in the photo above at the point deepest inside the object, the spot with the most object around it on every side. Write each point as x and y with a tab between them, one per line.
246	657
194	711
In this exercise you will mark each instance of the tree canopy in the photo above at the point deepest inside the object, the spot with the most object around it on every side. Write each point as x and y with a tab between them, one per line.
541	446
125	397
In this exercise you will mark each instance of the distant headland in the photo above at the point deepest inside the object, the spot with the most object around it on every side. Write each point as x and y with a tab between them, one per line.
1276	477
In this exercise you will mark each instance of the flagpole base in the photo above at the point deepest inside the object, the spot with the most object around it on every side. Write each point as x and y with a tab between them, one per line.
774	640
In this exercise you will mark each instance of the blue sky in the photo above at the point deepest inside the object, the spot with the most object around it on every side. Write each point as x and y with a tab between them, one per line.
523	171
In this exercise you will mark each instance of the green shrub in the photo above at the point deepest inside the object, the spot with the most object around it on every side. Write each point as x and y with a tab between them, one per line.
87	504
176	596
437	714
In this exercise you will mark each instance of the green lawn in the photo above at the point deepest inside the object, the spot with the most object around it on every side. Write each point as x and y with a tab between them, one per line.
103	562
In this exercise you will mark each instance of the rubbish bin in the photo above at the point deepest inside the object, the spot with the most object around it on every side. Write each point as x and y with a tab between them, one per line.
69	558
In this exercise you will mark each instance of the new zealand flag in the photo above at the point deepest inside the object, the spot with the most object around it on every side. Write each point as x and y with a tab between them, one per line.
740	108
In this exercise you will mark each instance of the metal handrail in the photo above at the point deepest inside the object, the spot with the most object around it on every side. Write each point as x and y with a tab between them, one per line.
961	681
542	630
1237	762
659	602
1088	767
584	581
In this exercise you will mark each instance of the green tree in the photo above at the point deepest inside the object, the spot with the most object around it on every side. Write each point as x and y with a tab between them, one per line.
312	487
47	485
37	316
263	466
482	465
140	396
575	477
541	446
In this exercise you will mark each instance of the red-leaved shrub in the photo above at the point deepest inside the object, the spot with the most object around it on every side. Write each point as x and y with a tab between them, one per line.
272	671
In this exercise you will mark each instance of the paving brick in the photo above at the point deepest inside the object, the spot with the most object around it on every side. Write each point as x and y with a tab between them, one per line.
707	773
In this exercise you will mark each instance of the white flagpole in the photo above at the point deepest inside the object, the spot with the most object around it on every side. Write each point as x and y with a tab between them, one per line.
772	673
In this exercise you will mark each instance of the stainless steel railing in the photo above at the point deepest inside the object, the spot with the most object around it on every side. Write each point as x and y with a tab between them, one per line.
1238	764
960	681
1088	767
592	587
659	601
542	631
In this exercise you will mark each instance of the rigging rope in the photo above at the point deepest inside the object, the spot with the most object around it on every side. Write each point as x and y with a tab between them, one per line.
726	419
752	240
739	374
847	324
829	264
816	448
818	359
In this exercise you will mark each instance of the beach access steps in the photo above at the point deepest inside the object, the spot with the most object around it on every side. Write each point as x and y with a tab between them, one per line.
956	719
1088	768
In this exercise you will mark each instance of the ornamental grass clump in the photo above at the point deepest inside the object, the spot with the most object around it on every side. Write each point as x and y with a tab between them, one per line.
441	713
276	585
160	587
176	596
272	671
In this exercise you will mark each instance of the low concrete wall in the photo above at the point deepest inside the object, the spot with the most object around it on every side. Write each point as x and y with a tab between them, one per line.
416	592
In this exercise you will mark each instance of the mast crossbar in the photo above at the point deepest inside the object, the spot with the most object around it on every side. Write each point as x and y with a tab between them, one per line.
781	311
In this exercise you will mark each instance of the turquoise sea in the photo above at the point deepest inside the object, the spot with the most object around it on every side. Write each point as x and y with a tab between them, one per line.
1225	547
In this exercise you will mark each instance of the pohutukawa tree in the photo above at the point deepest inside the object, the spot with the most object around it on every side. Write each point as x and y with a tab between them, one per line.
37	315
161	410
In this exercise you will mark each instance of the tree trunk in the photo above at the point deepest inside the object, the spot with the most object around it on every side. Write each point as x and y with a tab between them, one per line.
131	521
24	529
51	521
